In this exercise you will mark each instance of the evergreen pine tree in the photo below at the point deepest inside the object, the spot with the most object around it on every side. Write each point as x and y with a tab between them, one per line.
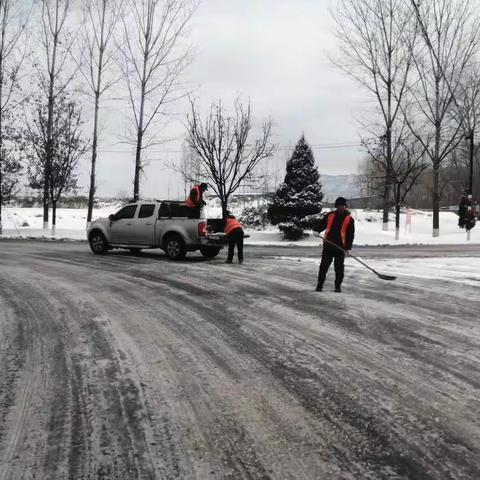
297	202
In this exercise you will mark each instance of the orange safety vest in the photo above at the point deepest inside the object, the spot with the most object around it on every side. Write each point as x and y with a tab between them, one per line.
230	225
343	231
189	202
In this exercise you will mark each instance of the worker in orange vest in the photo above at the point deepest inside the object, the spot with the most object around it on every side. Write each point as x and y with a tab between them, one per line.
339	229
234	233
195	200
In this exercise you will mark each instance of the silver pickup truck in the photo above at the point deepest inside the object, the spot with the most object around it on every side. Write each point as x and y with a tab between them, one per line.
157	224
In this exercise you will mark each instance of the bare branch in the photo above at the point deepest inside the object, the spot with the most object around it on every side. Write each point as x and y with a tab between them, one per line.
222	145
154	57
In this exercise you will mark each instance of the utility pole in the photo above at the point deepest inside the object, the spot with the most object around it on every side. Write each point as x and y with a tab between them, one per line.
470	136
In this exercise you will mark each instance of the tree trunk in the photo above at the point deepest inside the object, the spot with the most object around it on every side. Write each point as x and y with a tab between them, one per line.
98	88
397	221
51	101
436	169
388	135
386	202
91	192
436	157
138	153
224	202
54	217
436	202
138	159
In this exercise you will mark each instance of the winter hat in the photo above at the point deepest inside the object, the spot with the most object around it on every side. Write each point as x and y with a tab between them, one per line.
203	186
340	201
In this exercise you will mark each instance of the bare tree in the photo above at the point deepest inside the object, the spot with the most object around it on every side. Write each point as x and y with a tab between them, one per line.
189	168
375	38
13	20
68	147
404	171
100	18
154	57
407	168
469	106
371	174
228	155
56	43
451	33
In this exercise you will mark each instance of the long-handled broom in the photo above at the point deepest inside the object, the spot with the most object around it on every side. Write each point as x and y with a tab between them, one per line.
379	275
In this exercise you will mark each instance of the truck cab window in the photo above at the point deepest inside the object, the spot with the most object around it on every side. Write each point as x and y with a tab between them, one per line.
126	212
146	211
164	211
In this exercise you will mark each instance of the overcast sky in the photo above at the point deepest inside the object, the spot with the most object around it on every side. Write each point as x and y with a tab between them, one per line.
275	53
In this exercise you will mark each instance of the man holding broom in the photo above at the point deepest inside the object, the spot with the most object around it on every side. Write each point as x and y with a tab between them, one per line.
339	229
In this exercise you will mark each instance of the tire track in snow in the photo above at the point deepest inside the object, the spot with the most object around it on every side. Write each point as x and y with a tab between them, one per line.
17	411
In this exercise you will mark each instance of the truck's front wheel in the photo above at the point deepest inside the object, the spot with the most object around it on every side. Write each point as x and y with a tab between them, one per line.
209	252
98	242
174	247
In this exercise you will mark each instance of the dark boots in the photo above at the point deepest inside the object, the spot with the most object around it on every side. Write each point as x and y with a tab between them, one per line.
319	288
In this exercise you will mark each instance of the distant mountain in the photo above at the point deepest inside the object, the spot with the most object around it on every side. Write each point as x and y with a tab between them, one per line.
334	186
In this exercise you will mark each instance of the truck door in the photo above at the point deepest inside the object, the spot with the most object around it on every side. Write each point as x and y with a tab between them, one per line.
144	225
164	221
121	227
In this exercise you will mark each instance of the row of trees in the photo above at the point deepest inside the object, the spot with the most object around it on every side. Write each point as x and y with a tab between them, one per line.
419	61
52	61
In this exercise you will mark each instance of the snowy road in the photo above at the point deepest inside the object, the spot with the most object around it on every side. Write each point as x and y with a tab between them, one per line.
135	367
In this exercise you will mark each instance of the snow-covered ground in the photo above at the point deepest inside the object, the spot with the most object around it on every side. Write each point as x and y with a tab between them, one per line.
27	222
71	222
368	231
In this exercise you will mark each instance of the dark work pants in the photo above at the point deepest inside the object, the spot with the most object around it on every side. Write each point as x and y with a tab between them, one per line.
235	238
329	254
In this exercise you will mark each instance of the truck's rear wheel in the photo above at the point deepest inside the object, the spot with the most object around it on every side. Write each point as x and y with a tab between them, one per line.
174	247
98	242
210	252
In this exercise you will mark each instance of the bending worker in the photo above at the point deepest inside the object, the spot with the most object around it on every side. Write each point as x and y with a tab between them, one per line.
339	229
234	233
